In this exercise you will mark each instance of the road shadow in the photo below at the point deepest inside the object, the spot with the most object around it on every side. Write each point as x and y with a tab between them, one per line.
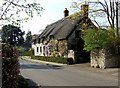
33	66
26	83
74	87
31	83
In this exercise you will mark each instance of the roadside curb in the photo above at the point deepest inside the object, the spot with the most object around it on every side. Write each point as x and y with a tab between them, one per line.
44	62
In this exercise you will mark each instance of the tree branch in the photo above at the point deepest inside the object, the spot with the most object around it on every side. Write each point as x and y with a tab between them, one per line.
95	21
21	6
5	11
107	12
99	10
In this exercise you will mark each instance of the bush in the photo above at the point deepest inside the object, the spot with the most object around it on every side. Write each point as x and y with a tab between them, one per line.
51	59
27	53
97	38
10	66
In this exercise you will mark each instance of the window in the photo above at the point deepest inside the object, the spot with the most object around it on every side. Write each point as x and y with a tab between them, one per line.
37	49
40	49
51	37
39	40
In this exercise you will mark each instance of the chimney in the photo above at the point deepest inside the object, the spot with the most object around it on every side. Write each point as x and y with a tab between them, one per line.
84	11
66	12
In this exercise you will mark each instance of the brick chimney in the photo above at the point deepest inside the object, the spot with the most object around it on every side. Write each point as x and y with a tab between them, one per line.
66	12
84	11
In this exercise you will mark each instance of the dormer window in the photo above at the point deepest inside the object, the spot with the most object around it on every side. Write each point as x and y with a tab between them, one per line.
51	37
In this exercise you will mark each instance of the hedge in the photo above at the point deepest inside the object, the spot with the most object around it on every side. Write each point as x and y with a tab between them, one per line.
52	59
27	53
10	66
48	58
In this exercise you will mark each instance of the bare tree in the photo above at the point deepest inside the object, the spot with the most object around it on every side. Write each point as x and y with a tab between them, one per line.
101	8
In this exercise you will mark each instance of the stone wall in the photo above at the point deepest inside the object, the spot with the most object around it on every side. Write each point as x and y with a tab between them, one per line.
103	59
71	54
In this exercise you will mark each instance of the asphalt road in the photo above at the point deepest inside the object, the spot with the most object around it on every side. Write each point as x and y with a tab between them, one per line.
46	75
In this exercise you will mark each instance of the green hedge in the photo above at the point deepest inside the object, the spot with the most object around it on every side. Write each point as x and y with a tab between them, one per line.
51	59
27	53
47	58
10	66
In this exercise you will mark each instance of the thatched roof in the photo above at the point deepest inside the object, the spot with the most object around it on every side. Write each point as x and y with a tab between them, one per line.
62	28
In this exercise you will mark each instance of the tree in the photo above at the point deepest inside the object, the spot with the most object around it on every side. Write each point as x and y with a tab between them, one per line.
12	35
18	11
104	8
28	38
107	9
97	38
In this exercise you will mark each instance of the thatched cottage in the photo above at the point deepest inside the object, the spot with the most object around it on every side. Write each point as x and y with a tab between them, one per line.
68	30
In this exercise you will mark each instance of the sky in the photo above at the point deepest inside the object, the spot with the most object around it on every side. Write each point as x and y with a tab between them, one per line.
53	11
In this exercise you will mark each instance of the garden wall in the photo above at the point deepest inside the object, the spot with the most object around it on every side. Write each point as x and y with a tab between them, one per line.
103	59
71	54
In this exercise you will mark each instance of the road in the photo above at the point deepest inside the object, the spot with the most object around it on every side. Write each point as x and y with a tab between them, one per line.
46	75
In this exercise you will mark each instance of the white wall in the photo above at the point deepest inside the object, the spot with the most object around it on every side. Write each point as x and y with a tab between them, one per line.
35	49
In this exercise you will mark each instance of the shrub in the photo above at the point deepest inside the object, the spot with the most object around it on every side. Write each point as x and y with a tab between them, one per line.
27	53
51	59
97	38
10	66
